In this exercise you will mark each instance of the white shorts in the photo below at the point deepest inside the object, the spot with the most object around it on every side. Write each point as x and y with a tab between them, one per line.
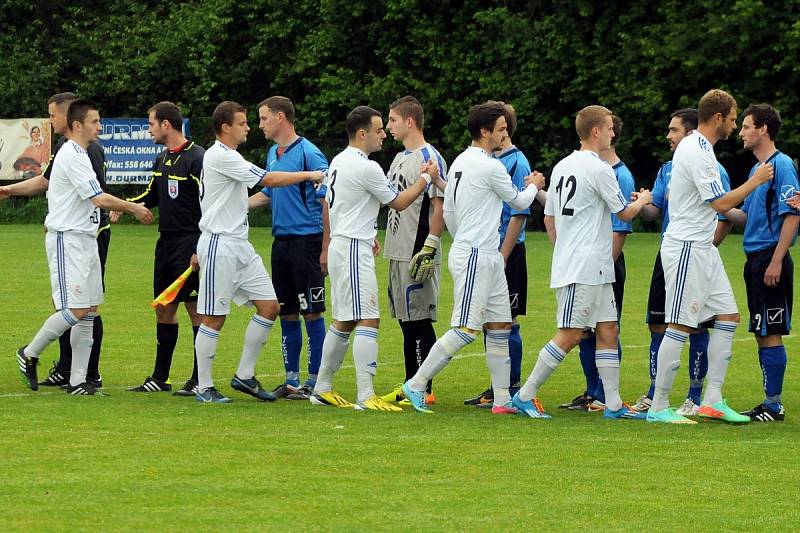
583	306
230	270
410	299
76	281
480	291
354	287
696	284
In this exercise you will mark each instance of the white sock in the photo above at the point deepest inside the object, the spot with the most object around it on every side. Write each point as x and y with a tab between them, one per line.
550	356
205	346
333	349
499	363
607	362
55	326
365	357
255	337
667	365
720	350
80	338
439	356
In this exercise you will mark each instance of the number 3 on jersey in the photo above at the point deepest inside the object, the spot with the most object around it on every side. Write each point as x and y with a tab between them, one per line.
571	184
332	195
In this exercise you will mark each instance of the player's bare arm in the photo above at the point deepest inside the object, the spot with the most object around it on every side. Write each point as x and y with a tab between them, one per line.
515	227
640	199
31	187
112	203
282	179
731	199
772	275
794	201
550	226
407	197
721	231
259	199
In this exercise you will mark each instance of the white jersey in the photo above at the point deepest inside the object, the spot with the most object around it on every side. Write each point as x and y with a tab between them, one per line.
695	182
406	230
583	193
357	187
72	185
477	186
223	197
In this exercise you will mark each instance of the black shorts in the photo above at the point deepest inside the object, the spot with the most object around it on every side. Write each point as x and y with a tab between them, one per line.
517	280
173	256
103	241
658	296
770	307
296	274
619	283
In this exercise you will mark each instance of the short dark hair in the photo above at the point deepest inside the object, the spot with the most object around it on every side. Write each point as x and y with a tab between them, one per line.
360	118
511	118
765	114
713	102
62	98
169	112
617	126
224	114
483	117
408	106
78	110
688	117
279	104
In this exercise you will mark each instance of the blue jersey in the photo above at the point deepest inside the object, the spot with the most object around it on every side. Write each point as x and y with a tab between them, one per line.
766	206
626	186
296	209
661	191
518	168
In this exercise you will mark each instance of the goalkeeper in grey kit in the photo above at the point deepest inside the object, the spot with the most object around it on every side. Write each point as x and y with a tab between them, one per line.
412	241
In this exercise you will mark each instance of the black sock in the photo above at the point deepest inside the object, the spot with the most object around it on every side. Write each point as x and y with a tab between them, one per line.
166	339
418	339
64	364
93	370
195	329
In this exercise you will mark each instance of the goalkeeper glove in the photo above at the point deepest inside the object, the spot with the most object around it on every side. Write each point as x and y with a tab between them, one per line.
422	265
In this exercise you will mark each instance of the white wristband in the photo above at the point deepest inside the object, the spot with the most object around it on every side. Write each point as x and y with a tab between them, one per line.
426	177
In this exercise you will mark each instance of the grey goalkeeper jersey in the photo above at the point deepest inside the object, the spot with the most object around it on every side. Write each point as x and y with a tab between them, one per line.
406	230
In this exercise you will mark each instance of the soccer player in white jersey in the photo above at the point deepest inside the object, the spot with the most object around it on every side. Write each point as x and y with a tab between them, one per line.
230	269
74	200
357	187
477	186
697	287
583	194
413	234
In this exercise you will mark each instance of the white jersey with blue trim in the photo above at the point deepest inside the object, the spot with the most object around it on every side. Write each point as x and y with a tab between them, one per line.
583	194
73	184
477	186
356	189
694	184
223	197
406	230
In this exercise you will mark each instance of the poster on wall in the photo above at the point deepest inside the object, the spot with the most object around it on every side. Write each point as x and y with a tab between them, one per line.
24	147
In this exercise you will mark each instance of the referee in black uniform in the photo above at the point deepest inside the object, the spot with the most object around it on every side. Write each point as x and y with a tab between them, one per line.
57	106
175	189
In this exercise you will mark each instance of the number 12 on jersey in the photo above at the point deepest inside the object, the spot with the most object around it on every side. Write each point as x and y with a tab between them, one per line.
571	184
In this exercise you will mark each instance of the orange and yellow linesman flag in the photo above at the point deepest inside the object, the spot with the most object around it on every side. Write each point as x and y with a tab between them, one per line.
172	291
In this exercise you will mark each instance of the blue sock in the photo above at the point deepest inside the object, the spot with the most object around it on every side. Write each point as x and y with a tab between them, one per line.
291	343
655	344
698	364
773	367
515	353
587	347
315	329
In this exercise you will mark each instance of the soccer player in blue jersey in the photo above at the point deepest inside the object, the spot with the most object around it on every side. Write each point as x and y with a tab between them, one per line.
770	230
512	248
682	123
300	242
594	396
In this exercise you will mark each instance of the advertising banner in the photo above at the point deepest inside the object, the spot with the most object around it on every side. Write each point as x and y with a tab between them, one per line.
24	147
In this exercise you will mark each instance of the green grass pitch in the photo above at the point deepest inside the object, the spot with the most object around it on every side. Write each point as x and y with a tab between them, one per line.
154	462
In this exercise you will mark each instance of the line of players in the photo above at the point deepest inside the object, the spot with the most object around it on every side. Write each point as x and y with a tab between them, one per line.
187	182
